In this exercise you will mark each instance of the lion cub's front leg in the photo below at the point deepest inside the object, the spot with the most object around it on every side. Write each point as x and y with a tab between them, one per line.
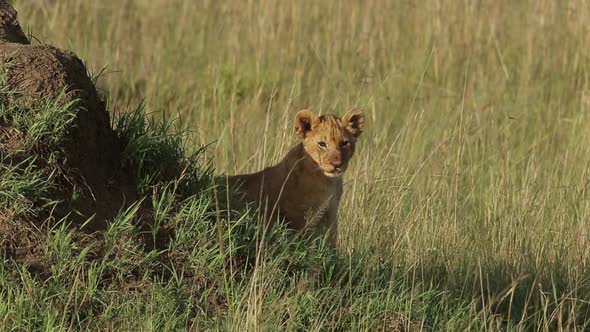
325	218
332	224
330	219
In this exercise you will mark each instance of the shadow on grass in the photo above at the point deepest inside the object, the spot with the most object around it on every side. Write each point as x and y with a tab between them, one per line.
544	299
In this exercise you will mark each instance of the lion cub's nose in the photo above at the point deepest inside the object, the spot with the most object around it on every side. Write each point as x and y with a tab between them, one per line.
335	161
336	164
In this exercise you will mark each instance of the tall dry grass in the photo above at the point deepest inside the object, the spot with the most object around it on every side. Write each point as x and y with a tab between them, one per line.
473	173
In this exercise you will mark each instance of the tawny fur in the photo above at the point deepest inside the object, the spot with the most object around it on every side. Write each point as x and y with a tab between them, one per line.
306	186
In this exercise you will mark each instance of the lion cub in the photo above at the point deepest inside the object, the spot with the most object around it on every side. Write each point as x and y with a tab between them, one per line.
306	186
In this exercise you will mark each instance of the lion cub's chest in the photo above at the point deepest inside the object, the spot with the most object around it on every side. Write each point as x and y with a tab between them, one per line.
310	201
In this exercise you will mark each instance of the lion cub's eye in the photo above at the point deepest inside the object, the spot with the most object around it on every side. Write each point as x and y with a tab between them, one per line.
344	143
322	144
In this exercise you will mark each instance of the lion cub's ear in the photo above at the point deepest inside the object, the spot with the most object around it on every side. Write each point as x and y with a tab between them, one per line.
354	121
303	122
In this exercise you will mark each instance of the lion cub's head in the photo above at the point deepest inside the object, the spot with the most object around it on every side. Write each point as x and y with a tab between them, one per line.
329	140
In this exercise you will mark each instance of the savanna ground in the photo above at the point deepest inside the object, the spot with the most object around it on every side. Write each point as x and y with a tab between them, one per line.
466	206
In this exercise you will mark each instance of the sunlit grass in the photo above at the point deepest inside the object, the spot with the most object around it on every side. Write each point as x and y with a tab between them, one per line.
472	175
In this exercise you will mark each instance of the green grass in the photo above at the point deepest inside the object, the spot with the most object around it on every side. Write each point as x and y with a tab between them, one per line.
23	189
466	206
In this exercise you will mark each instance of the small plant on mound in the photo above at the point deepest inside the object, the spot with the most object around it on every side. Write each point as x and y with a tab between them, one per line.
45	125
33	161
30	138
24	188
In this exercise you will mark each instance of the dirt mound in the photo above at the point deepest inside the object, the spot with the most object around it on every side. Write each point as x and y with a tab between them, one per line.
90	180
40	73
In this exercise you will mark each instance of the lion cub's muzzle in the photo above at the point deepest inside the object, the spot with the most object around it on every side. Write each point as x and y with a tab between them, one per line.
335	171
